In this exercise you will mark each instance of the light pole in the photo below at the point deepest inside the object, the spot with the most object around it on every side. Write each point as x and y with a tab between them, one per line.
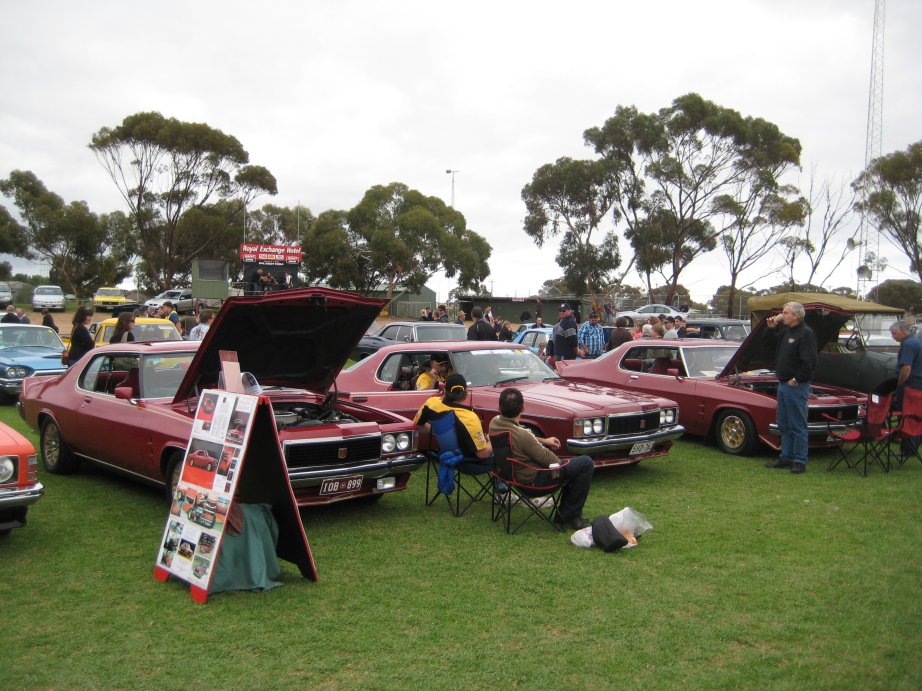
451	172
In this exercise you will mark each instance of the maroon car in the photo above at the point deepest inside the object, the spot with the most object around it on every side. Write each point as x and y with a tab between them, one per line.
130	406
613	427
724	390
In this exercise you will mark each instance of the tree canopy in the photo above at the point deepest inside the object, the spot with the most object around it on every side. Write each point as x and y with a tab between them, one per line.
182	182
889	191
691	173
84	250
395	236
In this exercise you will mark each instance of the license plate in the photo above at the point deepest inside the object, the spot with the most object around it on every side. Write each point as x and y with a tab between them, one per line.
341	485
641	447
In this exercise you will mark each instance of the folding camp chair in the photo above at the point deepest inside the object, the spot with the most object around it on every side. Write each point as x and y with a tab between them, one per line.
461	479
509	491
908	425
865	444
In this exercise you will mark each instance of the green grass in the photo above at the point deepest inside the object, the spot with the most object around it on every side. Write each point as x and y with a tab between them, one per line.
751	578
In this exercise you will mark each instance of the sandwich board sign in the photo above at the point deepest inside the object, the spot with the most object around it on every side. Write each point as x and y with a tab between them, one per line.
233	455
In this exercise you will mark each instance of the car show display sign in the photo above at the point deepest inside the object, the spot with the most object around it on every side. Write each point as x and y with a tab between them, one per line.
233	455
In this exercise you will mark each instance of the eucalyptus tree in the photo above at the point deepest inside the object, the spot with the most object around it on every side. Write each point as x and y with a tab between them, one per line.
166	169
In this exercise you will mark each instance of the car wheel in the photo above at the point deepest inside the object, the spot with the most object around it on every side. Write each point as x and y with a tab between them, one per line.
171	476
56	457
736	434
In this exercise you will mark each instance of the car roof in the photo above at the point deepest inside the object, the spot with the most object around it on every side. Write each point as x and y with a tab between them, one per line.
154	347
140	320
453	346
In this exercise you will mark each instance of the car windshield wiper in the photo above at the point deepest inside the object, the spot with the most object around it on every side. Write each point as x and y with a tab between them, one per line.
511	379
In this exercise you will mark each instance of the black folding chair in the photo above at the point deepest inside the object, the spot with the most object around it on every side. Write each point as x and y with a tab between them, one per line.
469	476
509	491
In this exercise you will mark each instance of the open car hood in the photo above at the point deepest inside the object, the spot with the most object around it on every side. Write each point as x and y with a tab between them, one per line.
826	318
296	338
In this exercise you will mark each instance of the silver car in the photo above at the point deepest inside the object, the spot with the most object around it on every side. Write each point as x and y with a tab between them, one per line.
51	297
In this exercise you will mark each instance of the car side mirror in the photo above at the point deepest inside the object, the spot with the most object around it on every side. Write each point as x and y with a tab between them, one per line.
673	372
124	393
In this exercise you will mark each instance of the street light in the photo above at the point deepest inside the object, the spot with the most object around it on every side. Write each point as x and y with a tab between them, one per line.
451	172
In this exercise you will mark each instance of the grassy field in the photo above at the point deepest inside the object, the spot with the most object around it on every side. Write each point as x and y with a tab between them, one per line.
751	578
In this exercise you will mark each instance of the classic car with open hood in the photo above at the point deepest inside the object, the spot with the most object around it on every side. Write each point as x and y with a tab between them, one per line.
613	427
725	390
130	406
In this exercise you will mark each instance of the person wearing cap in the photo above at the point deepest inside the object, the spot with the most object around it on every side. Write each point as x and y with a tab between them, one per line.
166	312
539	451
470	432
437	373
565	336
591	337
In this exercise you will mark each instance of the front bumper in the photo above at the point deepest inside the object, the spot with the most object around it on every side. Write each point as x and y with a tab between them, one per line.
815	429
304	477
614	445
15	498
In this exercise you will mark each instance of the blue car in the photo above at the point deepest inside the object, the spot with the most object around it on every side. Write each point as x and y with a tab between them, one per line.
532	337
27	350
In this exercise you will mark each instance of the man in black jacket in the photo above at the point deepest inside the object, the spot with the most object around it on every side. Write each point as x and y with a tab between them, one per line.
794	366
480	330
565	338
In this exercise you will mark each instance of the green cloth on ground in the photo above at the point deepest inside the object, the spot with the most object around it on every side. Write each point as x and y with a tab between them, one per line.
248	561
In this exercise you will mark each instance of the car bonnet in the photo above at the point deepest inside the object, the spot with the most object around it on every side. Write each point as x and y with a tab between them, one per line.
297	338
753	354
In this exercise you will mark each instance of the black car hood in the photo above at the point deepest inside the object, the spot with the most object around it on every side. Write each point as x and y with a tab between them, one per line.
753	354
296	338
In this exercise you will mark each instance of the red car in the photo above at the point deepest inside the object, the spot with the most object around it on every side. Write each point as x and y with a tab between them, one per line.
202	459
130	406
19	485
724	390
613	427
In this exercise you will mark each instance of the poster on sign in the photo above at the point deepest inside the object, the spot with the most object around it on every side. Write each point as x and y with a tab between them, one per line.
207	484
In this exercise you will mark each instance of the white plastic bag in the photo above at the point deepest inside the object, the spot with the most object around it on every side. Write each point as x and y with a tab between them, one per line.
630	522
582	538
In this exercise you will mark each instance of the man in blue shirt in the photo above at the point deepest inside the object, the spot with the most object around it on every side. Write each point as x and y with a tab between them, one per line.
591	337
908	375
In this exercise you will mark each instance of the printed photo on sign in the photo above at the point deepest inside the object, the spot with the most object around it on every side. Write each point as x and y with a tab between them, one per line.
202	463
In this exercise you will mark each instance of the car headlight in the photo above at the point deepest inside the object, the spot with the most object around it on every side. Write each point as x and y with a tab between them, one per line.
16	372
588	427
404	441
388	443
7	467
668	416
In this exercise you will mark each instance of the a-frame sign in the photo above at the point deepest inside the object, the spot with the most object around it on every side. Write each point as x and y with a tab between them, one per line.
234	455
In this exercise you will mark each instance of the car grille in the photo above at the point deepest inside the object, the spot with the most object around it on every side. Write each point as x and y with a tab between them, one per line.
311	454
846	413
631	424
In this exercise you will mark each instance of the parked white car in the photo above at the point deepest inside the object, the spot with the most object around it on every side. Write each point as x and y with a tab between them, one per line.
647	311
51	297
180	297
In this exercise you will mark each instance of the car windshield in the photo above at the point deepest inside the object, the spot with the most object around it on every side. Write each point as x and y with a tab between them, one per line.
162	374
108	292
29	337
489	367
155	332
707	362
48	290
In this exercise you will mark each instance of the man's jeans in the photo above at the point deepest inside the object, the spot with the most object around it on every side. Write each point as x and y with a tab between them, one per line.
792	420
578	477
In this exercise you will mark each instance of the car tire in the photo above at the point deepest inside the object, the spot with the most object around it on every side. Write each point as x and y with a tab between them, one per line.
736	433
173	470
57	458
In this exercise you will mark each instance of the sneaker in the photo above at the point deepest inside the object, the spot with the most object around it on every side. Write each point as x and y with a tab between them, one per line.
780	463
799	468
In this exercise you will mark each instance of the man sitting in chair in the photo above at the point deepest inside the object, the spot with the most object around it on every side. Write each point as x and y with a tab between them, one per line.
438	372
470	432
539	451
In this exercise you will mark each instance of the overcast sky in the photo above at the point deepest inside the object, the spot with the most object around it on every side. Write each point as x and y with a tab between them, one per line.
336	97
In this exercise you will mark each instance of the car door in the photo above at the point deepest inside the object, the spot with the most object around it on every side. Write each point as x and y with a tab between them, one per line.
645	368
386	394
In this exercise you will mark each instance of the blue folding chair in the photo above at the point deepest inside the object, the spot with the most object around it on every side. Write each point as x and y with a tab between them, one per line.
459	478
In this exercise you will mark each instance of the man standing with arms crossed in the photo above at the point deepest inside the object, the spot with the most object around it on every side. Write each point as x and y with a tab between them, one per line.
794	366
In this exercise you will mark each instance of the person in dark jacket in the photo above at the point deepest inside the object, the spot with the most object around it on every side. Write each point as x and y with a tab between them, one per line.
620	334
122	330
48	320
80	340
565	338
794	367
480	330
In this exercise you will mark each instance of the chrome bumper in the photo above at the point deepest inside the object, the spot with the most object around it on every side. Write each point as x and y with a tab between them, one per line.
376	468
14	498
815	429
622	443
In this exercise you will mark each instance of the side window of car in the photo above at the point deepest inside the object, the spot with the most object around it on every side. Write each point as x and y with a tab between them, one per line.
390	332
528	339
633	360
405	333
389	370
90	375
